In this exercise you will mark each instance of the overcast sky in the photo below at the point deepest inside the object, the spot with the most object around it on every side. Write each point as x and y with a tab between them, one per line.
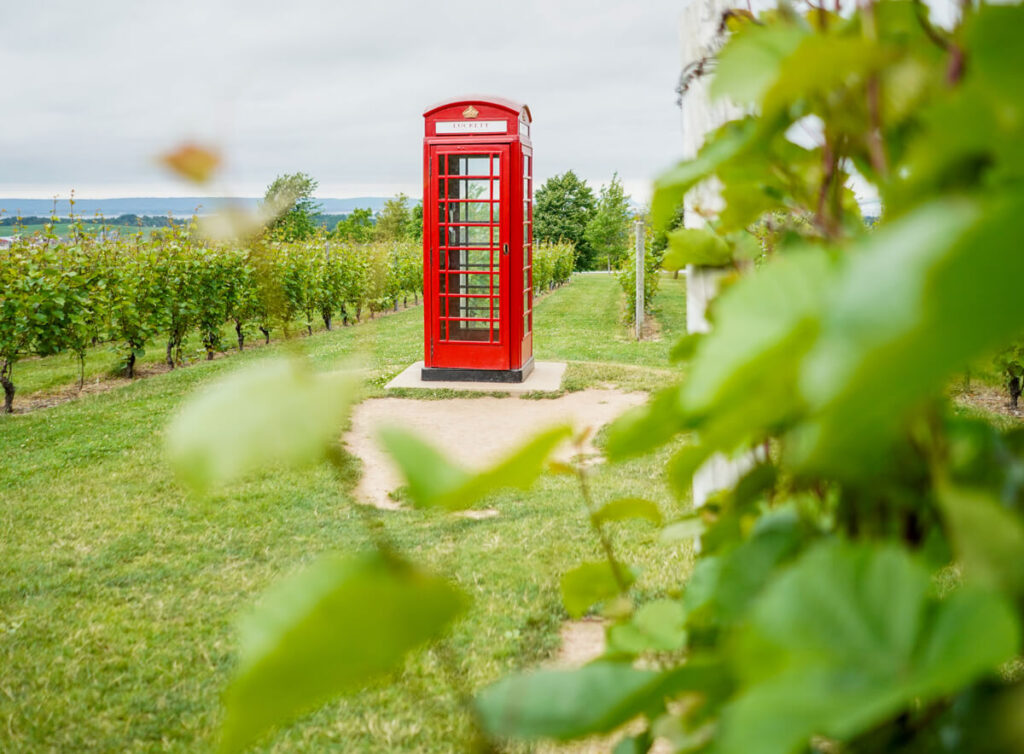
92	91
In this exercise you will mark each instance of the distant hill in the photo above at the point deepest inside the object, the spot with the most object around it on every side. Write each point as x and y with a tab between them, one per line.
179	206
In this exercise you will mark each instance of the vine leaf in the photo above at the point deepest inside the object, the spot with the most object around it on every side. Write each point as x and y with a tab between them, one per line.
696	246
597	698
590	583
433	480
749	63
988	538
670	187
656	627
276	412
646	427
849	636
328	631
930	293
626	508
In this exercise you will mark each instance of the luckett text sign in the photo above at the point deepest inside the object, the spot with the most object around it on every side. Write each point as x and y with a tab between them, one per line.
471	127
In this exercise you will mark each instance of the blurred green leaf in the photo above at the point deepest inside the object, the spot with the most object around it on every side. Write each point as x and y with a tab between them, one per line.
994	38
670	187
684	348
646	427
435	481
639	744
683	465
429	475
590	583
272	413
696	246
742	380
684	529
849	636
722	592
762	322
988	538
920	299
749	63
597	698
818	66
627	508
330	630
656	627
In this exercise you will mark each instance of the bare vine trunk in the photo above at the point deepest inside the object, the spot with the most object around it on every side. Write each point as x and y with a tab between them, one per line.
241	335
5	379
170	352
130	365
266	334
1015	390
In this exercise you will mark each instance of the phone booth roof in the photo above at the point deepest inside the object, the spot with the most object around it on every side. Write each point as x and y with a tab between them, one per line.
478	116
516	108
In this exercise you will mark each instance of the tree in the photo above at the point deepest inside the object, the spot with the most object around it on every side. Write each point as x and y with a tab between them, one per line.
416	223
394	220
290	196
563	207
357	226
607	233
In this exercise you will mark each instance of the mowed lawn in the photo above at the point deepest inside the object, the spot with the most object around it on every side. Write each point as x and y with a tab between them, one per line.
118	590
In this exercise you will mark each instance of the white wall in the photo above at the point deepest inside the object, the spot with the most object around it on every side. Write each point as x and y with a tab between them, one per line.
699	40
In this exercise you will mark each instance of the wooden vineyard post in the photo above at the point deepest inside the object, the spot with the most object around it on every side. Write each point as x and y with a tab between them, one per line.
638	229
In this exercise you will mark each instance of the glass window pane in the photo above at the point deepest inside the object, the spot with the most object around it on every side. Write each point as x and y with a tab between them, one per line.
469	235
469	259
468	188
475	284
472	212
470	164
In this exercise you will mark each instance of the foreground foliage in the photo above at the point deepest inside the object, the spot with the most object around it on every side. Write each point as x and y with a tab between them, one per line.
859	588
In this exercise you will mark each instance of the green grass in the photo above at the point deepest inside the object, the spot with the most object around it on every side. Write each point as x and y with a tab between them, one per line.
119	590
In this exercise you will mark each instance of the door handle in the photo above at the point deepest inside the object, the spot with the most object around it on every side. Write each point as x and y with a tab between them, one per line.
504	249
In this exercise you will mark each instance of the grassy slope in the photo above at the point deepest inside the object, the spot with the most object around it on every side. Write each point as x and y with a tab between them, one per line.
118	591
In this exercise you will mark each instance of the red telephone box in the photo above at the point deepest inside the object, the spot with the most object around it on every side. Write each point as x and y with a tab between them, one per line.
478	241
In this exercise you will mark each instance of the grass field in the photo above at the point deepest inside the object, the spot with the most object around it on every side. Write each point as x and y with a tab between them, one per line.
119	591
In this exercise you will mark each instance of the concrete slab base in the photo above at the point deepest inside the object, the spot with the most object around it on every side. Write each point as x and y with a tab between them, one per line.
546	377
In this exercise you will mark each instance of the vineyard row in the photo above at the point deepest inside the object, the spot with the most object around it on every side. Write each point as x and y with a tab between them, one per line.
66	296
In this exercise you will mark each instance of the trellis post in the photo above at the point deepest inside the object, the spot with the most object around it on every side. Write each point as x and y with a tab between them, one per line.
638	229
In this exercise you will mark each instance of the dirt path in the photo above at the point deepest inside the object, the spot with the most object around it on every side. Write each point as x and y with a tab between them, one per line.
472	431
